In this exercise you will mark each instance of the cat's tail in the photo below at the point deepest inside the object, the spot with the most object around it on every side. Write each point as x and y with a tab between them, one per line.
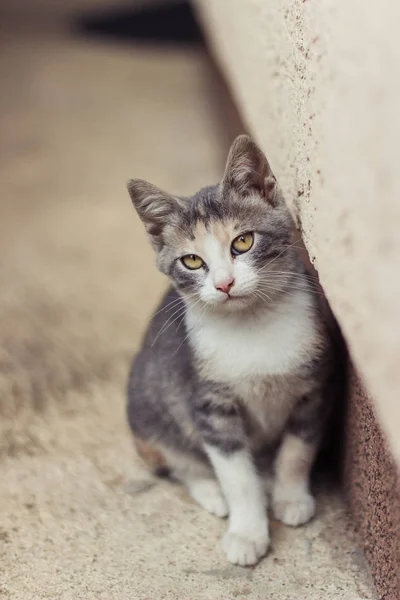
153	458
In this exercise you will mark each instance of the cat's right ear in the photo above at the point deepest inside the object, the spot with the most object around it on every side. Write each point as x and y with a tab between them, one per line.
247	171
154	207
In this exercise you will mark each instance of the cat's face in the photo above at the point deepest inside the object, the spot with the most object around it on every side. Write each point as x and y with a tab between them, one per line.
228	247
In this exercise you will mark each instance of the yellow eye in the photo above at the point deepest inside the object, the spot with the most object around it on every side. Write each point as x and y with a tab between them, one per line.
192	261
242	243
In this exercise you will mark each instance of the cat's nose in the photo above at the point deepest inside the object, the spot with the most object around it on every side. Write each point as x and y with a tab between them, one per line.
225	286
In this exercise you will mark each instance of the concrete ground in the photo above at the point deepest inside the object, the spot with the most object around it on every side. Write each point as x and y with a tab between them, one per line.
79	516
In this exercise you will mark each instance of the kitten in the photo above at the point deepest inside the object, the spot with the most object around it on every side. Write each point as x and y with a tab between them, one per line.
233	376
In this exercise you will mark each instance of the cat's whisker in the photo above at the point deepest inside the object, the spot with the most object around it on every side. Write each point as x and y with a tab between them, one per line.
290	289
307	285
284	282
304	276
264	293
169	306
181	321
202	313
254	295
276	257
291	246
185	299
259	297
179	312
299	274
172	303
182	314
290	275
279	290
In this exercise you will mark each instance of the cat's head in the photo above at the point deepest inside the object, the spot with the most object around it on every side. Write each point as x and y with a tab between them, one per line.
228	246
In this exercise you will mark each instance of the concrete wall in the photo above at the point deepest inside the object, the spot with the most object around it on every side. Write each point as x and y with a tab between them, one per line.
373	491
318	85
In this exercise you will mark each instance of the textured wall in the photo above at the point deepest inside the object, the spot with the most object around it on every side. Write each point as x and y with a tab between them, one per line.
373	488
318	85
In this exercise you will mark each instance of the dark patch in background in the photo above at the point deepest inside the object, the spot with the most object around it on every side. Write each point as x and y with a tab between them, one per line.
165	24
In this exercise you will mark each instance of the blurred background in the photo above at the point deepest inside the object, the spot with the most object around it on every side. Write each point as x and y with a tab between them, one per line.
95	92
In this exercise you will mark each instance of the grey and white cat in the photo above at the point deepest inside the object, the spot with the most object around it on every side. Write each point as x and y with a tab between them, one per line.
233	379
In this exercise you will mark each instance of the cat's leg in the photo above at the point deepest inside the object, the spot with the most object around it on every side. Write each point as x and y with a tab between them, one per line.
247	538
292	502
207	492
199	479
220	424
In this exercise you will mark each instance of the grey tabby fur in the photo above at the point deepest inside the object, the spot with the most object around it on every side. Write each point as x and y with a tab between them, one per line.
218	430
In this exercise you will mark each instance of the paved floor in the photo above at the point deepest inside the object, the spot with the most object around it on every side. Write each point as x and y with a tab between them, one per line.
79	517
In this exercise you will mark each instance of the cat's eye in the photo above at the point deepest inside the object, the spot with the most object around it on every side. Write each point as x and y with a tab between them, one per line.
242	243
192	261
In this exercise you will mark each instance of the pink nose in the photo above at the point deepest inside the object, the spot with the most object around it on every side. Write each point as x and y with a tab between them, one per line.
225	286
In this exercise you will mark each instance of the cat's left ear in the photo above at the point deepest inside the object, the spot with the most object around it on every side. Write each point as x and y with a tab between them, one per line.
247	171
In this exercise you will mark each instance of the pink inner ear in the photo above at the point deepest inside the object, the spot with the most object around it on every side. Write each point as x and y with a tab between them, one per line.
270	189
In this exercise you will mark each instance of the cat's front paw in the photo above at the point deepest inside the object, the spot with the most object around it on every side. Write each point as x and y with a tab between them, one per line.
245	550
293	505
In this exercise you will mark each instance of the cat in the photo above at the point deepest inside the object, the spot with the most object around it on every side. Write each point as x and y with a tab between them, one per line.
232	382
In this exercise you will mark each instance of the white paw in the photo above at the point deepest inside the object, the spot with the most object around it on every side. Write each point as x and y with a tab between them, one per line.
293	505
245	550
209	495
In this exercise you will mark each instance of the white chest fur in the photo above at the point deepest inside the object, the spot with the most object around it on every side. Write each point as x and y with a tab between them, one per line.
273	342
